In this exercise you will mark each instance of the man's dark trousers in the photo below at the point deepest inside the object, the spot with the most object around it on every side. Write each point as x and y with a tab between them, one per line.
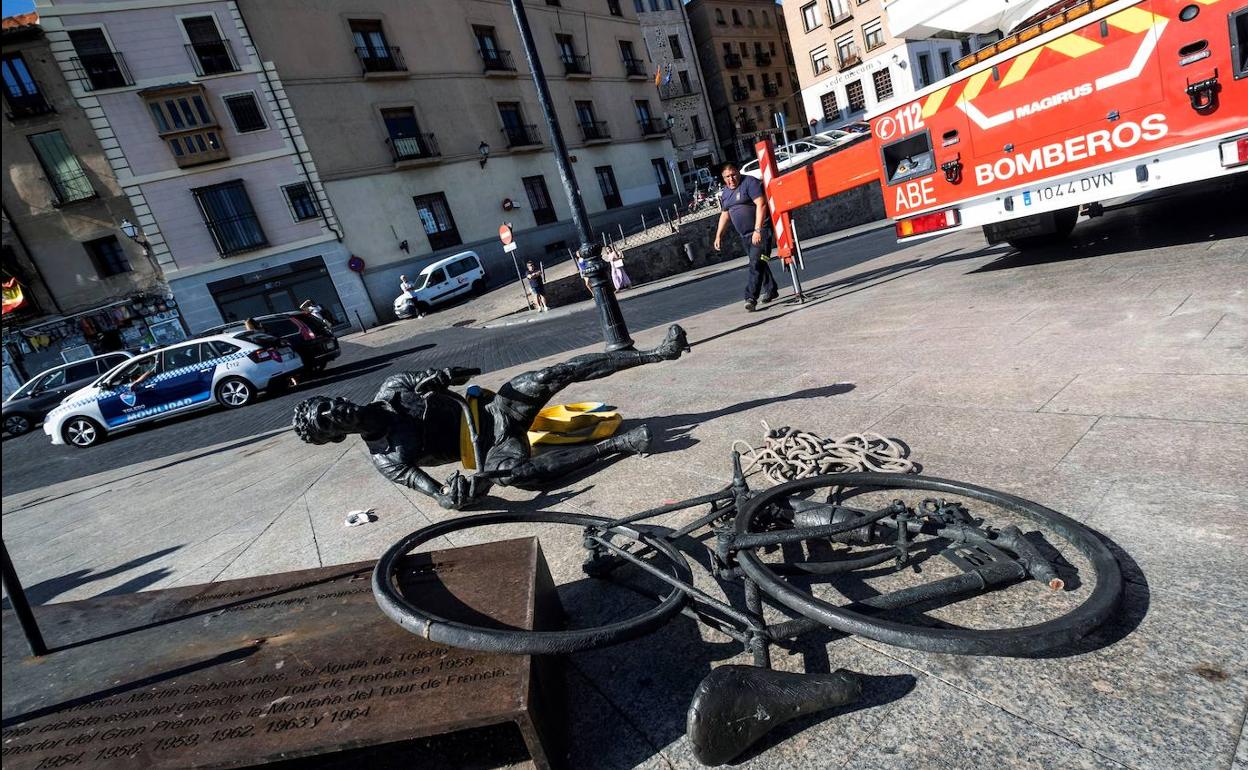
759	280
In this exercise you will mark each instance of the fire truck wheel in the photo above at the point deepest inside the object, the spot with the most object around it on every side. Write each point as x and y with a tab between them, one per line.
1063	221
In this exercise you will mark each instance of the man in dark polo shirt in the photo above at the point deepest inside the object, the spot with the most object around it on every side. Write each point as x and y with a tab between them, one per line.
742	202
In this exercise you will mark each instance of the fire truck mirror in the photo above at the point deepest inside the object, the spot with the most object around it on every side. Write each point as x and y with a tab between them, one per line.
908	158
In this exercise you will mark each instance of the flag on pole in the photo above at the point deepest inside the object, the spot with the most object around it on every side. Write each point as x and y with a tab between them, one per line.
667	74
13	296
658	76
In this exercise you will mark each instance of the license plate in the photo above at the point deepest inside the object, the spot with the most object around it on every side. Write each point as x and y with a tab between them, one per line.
1075	188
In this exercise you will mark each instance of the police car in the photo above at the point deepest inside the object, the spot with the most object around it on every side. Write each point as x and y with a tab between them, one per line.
228	369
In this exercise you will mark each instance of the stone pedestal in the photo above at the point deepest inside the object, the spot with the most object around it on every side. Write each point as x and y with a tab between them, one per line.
300	669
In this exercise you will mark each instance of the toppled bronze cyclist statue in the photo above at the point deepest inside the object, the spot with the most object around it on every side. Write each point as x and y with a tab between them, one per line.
415	420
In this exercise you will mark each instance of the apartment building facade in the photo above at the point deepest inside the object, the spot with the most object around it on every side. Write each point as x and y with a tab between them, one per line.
748	69
75	284
424	120
848	60
670	45
196	128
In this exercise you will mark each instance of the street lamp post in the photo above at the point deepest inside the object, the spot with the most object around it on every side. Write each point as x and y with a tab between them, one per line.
614	330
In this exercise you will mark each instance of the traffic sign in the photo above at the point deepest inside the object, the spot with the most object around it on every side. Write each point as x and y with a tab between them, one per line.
504	234
509	247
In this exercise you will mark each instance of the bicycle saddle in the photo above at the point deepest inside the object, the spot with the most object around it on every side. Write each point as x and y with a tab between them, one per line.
734	706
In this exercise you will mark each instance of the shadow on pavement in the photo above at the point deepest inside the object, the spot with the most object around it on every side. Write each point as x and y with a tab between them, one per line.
672	432
46	590
821	293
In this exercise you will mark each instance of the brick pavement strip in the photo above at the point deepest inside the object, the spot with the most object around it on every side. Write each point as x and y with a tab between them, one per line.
1070	378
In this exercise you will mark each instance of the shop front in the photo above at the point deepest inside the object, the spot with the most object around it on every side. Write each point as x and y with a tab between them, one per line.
144	320
280	289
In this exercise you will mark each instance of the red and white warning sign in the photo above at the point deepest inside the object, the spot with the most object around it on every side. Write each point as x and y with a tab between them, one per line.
504	235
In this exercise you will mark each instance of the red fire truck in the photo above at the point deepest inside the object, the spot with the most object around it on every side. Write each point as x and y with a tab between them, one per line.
1089	100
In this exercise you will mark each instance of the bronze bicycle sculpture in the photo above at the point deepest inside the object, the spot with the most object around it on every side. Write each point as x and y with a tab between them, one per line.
754	535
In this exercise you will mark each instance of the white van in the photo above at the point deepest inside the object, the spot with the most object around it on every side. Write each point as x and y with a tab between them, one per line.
441	281
699	177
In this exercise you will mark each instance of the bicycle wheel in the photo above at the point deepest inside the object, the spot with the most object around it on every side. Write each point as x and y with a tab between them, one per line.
1095	608
517	641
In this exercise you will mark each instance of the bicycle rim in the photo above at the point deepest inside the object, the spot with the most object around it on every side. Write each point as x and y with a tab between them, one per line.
521	642
1093	611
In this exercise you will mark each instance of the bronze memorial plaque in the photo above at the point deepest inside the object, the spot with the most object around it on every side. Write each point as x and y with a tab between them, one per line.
281	667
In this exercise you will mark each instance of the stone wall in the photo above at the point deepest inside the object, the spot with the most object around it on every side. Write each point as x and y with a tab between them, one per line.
666	255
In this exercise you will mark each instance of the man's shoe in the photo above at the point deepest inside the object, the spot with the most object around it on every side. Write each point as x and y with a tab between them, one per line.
636	441
770	297
676	342
750	306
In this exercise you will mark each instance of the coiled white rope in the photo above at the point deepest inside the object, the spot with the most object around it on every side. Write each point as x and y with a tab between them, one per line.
788	454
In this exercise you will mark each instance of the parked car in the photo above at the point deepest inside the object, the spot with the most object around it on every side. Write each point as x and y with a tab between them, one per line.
29	404
858	127
787	156
228	369
440	282
836	138
306	334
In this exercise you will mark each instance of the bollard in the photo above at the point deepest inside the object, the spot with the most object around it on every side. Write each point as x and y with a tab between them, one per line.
21	607
360	321
689	252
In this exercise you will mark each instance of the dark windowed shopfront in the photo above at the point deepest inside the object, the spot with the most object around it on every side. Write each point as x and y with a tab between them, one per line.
279	290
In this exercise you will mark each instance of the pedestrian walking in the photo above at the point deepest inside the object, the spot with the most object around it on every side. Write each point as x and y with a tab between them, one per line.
313	309
742	203
581	266
618	275
537	284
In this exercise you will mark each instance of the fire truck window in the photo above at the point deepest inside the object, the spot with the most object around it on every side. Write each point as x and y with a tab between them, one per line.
909	158
1239	42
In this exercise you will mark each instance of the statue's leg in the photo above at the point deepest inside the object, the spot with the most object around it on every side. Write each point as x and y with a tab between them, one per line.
524	396
509	467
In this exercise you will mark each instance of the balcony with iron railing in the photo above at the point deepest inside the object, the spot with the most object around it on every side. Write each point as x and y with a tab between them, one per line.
27	106
762	60
234	235
212	58
676	91
413	148
732	61
848	57
70	185
771	89
652	127
740	94
575	65
595	131
382	62
635	69
100	71
498	61
522	136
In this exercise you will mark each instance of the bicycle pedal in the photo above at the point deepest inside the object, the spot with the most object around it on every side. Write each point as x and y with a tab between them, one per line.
972	557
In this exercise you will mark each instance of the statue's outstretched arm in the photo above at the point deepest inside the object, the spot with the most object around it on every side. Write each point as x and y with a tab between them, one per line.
409	476
425	381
